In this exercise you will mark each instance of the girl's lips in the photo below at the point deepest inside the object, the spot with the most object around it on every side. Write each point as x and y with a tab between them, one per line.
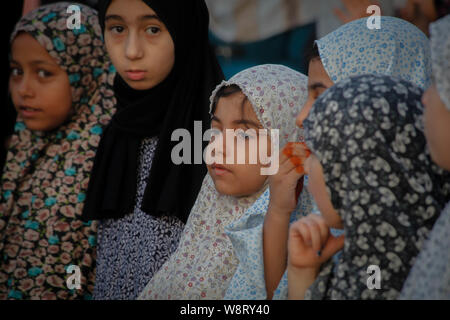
220	170
28	112
135	75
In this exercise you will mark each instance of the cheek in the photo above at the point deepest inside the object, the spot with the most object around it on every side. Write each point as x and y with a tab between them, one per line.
13	89
114	48
250	180
437	132
245	180
304	112
58	102
163	59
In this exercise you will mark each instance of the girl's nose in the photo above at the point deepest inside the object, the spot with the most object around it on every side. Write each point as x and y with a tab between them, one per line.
25	87
303	114
133	47
299	120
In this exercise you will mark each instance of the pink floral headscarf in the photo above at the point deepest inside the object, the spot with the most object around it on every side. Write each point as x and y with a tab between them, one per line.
46	175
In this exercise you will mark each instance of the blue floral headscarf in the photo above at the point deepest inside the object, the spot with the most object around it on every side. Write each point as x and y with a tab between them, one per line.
398	49
46	175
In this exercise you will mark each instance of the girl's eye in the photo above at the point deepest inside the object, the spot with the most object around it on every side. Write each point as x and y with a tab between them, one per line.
153	30
116	29
15	72
215	132
242	134
44	74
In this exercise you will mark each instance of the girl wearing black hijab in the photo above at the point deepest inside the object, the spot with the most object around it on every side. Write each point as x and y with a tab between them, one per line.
166	71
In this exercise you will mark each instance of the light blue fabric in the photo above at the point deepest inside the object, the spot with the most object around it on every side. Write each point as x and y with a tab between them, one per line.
398	49
246	235
429	278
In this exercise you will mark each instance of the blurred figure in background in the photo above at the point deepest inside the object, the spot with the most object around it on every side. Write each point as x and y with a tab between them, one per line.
423	12
419	12
251	32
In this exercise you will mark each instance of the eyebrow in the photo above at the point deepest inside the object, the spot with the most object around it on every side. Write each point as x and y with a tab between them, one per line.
317	85
247	123
34	62
237	122
214	118
140	18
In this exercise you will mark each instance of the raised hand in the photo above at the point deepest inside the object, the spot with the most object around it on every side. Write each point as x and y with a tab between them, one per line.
311	243
283	185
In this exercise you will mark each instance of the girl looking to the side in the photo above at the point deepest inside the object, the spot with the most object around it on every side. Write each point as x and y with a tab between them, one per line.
398	49
372	175
263	97
166	70
61	86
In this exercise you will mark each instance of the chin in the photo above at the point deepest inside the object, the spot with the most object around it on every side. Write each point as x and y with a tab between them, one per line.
222	188
225	189
36	126
139	85
440	161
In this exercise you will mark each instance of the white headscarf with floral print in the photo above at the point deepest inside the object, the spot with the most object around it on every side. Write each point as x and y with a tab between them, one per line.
205	262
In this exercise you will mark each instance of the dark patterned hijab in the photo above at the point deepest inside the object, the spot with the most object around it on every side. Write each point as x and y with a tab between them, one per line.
45	179
430	276
367	132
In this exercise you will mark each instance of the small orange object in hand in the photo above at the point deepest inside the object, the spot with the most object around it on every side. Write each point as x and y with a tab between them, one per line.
297	152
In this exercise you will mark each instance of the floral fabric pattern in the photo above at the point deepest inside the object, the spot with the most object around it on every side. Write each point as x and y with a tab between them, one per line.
246	235
367	132
398	49
46	175
132	249
440	55
204	263
430	276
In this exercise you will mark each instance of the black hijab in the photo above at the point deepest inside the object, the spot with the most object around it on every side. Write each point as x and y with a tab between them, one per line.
181	99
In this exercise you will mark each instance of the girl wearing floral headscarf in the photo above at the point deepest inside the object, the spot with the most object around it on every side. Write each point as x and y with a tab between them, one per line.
204	263
60	84
369	151
398	49
430	276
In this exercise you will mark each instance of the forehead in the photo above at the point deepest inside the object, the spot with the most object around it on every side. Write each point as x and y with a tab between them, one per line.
129	10
235	107
317	72
25	48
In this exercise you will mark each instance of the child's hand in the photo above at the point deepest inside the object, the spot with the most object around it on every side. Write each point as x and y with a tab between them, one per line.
283	185
311	244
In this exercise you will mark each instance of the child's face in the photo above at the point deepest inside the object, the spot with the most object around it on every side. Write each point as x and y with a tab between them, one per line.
437	127
318	82
139	44
40	88
317	187
237	179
